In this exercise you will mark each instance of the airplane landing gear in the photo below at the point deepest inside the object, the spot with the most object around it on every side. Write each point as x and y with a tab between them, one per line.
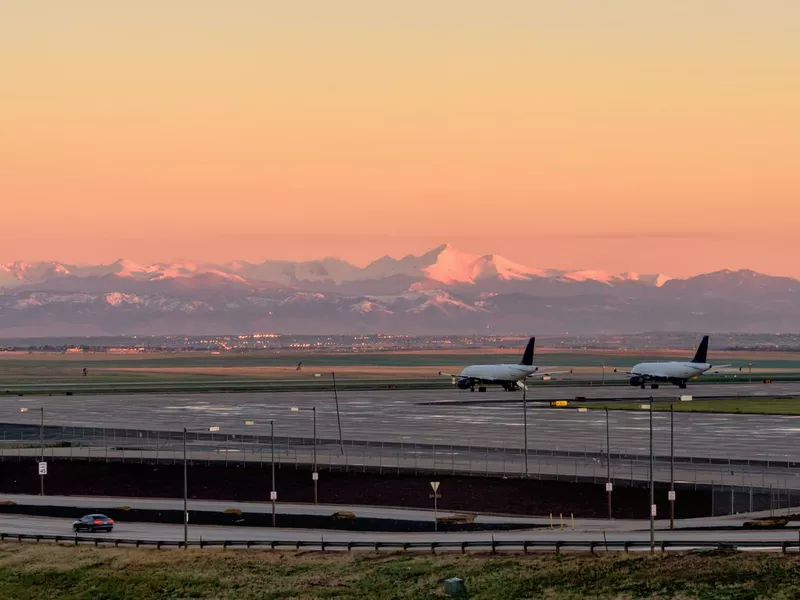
654	386
682	385
482	388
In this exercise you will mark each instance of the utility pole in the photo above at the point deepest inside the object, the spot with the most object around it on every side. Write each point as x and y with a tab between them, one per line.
338	417
315	475
652	489
608	465
525	423
671	467
273	495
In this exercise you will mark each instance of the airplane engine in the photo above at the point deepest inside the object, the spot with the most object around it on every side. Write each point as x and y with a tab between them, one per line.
636	381
463	383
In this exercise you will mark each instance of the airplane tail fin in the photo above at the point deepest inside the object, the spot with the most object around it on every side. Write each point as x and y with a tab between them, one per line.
527	357
701	356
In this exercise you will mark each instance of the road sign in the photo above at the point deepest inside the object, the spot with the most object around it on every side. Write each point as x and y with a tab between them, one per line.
558	403
435	486
644	406
273	496
583	409
42	468
671	495
609	487
686	398
653	509
435	496
315	476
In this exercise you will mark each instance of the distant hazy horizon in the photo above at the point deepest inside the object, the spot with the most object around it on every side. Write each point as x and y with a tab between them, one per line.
619	135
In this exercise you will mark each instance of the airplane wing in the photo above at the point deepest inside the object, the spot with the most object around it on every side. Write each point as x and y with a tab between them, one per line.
547	374
443	374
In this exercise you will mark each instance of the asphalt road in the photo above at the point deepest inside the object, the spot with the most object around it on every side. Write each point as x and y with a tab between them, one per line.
415	417
17	524
86	503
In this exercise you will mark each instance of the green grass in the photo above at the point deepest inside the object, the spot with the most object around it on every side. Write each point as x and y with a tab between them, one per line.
750	406
30	571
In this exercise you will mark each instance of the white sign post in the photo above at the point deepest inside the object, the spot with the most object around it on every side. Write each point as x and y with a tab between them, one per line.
609	487
436	495
273	496
42	468
653	510
671	495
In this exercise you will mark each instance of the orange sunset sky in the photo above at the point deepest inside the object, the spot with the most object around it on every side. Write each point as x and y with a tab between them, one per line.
620	134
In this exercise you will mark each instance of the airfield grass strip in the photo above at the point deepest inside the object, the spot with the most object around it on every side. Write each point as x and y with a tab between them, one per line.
48	571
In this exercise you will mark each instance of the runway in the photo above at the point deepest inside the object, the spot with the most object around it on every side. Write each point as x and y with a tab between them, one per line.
429	417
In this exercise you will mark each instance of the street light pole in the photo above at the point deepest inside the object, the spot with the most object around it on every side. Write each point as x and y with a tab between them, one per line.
186	485
652	490
525	423
315	475
41	447
608	464
41	443
273	494
671	467
338	417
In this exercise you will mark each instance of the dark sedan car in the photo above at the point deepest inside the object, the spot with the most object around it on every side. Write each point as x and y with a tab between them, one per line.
93	523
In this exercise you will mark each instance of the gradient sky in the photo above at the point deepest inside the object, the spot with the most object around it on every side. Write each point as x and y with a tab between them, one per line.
624	135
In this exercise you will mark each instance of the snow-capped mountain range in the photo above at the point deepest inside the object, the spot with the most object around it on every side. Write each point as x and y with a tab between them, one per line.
441	291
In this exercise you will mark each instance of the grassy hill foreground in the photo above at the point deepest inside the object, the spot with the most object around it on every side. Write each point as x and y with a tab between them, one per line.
50	571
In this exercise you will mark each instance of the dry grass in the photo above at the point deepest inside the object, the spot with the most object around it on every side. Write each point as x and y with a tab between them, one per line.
49	571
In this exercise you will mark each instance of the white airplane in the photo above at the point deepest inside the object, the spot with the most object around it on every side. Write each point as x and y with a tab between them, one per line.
678	373
511	377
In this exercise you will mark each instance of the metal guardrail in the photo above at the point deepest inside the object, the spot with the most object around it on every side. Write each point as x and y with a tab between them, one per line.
494	545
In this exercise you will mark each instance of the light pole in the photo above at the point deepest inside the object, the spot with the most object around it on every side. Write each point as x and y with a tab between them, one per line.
338	417
525	423
273	494
652	490
608	465
24	409
603	366
186	484
314	473
671	467
750	366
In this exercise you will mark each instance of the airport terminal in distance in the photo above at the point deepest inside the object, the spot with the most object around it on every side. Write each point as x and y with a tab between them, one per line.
300	448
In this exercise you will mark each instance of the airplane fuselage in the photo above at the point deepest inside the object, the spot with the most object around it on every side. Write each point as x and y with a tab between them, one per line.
676	372
498	373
